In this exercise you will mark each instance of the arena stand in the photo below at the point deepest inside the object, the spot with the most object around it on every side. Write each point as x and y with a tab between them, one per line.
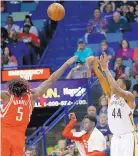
62	46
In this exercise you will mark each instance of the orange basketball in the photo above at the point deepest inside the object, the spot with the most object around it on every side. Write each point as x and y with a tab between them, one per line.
56	11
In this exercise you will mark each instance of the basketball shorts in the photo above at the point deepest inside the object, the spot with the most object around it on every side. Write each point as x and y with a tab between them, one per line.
124	145
12	145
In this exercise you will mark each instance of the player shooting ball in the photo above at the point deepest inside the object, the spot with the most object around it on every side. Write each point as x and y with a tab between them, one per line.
120	109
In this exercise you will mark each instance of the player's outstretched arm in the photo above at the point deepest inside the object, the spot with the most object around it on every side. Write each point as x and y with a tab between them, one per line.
103	81
4	96
41	89
115	88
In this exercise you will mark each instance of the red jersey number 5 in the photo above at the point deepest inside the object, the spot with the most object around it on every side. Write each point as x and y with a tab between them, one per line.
20	114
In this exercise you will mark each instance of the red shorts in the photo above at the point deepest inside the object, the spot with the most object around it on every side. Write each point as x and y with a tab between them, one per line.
12	144
96	153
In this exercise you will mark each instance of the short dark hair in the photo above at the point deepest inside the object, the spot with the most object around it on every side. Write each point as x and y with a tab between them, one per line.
91	118
127	82
97	9
18	87
104	41
127	43
10	17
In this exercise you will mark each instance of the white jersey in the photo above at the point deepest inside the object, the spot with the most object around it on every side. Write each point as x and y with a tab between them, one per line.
120	116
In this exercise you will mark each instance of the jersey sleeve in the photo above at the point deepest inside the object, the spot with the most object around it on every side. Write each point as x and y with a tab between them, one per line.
67	131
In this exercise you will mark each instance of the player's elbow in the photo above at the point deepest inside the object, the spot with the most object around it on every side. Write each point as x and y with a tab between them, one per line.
65	134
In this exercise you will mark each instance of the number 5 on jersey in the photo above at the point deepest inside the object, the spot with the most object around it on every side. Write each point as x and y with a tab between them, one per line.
20	114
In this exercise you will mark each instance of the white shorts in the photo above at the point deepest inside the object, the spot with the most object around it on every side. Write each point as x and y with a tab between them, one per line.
124	145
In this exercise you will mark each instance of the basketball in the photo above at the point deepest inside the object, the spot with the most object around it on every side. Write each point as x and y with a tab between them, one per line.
56	11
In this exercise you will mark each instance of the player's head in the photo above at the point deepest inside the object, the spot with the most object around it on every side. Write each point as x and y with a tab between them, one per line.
89	122
124	83
91	110
18	87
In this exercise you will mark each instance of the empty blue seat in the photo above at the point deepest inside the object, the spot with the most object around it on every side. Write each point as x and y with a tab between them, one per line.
127	63
114	37
19	23
131	36
38	23
134	26
13	7
95	38
4	17
94	47
133	44
114	45
28	7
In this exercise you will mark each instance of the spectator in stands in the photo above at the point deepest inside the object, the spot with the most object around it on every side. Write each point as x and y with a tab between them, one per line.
91	111
97	24
135	93
103	127
8	60
28	37
119	4
28	21
11	27
135	67
126	53
103	4
4	38
136	14
78	72
120	69
125	12
110	52
82	52
103	102
135	54
107	11
29	153
3	6
118	24
19	50
61	149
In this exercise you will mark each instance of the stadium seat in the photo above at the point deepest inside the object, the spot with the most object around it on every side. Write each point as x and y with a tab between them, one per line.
131	36
38	23
95	38
4	17
114	37
133	81
94	47
114	45
133	44
19	16
28	7
19	23
134	26
12	7
127	63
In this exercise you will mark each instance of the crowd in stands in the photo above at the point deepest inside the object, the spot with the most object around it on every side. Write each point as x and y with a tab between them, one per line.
23	44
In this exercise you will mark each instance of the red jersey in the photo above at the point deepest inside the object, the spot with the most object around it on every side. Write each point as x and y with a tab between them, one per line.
16	113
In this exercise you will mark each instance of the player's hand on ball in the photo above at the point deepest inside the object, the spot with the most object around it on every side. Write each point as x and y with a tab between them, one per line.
71	60
104	62
72	116
89	61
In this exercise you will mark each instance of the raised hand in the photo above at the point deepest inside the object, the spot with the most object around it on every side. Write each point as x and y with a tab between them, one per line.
104	62
89	61
72	116
71	60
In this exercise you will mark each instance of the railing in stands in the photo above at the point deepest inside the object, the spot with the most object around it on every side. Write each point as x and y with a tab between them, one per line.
43	130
